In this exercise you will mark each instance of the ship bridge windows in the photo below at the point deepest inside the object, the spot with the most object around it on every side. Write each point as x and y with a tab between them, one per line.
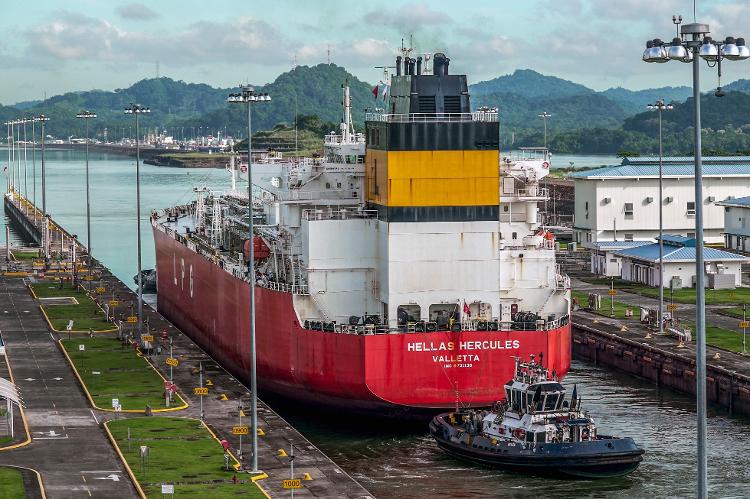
408	313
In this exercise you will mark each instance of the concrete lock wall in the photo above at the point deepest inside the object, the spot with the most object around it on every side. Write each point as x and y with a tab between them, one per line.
728	389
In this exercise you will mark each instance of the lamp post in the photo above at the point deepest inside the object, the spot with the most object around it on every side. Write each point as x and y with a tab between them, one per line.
660	106
33	163
10	161
692	44
248	96
86	116
544	117
136	110
45	233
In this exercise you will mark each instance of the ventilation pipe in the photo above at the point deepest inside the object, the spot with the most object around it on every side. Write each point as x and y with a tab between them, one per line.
419	65
438	61
398	65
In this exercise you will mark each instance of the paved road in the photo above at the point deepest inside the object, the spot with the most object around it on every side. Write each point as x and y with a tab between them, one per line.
69	448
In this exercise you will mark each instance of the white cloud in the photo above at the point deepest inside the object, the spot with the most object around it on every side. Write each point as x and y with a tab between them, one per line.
136	11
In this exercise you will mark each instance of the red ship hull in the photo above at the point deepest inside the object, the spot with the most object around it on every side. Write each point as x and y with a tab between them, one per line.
383	374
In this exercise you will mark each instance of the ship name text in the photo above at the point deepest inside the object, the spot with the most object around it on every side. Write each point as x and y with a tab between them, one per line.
429	346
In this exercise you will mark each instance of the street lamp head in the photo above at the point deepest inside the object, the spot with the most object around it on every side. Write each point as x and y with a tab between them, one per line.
730	50
86	114
708	51
744	51
42	118
656	53
676	51
669	107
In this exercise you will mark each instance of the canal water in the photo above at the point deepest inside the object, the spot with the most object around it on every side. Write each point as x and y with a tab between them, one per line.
403	462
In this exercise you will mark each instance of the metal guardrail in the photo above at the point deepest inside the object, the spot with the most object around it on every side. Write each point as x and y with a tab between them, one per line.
432	117
337	214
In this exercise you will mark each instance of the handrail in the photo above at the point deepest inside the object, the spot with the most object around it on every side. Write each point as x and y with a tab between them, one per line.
484	116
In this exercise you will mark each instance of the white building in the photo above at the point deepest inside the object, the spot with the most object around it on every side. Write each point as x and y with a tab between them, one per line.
737	223
622	201
640	264
604	260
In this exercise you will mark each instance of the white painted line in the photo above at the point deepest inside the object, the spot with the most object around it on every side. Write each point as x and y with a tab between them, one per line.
101	471
95	419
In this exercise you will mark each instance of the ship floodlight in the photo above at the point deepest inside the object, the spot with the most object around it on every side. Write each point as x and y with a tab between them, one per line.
744	51
730	50
708	51
676	51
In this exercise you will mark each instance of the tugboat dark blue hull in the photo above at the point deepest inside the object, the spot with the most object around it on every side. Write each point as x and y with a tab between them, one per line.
604	457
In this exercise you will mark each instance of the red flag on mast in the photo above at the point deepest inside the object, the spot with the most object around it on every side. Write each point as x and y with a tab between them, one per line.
375	90
467	311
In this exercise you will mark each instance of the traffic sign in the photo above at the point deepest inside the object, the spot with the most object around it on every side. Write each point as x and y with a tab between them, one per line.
612	292
240	430
88	278
147	337
744	324
171	361
132	319
100	289
200	390
167	489
295	483
113	303
672	307
115	402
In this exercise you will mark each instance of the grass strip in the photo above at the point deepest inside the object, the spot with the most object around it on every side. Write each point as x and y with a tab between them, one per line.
25	255
181	452
85	315
620	307
122	374
11	484
685	295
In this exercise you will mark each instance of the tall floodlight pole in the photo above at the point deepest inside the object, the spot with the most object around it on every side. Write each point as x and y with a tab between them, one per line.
692	44
86	116
660	106
7	169
25	170
544	117
248	96
136	109
33	164
45	233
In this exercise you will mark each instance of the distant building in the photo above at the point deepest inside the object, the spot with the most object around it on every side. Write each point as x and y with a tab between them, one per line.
640	264
604	261
737	223
622	202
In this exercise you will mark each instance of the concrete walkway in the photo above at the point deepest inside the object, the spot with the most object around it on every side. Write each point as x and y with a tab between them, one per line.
69	448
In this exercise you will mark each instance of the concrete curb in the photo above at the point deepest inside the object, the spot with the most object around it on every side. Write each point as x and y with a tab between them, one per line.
23	414
129	411
124	461
38	477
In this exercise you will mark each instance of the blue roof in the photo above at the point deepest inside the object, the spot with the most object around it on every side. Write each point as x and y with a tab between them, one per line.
673	240
603	245
676	166
650	253
735	202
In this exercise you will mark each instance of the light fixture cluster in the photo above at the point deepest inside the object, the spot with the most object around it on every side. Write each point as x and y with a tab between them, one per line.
248	94
137	109
87	114
659	105
694	38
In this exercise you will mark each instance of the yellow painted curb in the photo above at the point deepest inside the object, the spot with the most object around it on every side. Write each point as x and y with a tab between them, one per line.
130	411
16	274
23	413
255	479
124	461
38	477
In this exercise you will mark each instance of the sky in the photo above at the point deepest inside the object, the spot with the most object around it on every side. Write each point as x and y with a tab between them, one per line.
55	46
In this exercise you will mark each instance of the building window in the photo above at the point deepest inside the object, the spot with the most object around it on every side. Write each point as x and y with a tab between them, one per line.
514	235
691	235
691	207
628	210
628	237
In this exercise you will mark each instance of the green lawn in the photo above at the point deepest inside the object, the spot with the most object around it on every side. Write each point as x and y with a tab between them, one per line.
720	337
181	451
86	315
11	484
687	295
583	301
123	374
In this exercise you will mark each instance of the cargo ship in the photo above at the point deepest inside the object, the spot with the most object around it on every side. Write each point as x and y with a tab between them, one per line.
400	273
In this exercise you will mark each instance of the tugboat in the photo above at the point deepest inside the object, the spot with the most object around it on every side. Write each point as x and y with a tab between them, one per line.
536	430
